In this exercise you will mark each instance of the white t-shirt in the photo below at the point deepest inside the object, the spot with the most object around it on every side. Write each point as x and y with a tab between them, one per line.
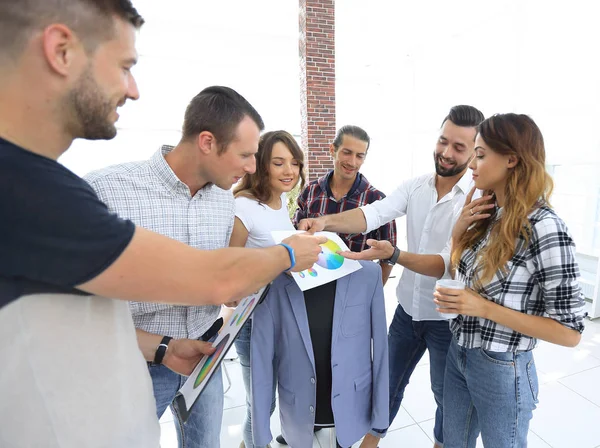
260	220
73	375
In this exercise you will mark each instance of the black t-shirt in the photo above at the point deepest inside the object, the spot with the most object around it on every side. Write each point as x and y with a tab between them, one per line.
319	309
54	231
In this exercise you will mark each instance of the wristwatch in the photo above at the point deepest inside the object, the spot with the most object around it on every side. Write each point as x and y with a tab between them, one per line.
394	258
161	350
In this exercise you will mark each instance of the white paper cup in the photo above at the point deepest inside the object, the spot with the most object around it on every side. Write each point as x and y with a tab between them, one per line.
450	284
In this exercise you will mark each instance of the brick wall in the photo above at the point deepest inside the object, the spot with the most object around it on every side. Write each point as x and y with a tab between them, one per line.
317	83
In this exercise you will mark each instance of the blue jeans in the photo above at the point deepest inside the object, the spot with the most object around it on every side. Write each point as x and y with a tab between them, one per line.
203	427
242	347
407	341
494	393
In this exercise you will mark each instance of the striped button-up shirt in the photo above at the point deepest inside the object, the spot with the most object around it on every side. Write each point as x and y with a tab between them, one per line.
151	195
318	200
541	279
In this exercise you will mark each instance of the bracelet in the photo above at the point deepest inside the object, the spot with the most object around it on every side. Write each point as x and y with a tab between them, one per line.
161	350
291	254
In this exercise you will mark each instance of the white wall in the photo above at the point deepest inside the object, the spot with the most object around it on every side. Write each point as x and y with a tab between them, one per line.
187	45
400	67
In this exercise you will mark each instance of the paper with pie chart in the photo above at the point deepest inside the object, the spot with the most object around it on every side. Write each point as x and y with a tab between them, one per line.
329	266
199	378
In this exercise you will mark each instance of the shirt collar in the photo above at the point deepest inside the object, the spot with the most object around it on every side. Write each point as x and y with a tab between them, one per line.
360	184
465	183
324	181
166	174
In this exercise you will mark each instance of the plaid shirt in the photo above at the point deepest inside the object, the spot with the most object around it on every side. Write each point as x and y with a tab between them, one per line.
541	280
150	194
317	200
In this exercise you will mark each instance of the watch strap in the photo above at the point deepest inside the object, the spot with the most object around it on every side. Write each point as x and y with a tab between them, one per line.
394	258
161	350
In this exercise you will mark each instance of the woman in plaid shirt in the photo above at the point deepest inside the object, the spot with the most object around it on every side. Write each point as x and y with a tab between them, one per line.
517	259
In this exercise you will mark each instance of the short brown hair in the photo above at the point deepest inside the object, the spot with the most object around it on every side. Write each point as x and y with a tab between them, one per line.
218	110
91	20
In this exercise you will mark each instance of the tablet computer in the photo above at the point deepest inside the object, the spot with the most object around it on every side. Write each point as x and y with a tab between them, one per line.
199	378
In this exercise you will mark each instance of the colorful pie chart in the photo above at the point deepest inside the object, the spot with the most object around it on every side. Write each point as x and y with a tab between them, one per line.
240	315
310	272
329	258
245	311
210	362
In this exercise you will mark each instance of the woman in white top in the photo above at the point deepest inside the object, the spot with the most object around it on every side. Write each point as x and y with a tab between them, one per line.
261	207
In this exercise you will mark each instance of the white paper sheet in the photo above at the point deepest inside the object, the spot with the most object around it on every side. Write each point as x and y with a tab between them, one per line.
208	364
329	267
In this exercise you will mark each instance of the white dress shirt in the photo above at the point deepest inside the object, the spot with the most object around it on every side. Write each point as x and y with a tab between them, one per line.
429	227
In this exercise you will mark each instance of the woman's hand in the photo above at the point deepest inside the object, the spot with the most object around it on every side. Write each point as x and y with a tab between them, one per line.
461	301
471	212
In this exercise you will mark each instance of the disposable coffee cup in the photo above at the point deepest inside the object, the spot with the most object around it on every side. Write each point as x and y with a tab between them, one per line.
450	284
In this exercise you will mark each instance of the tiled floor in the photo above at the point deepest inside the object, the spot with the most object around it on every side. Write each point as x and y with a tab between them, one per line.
568	415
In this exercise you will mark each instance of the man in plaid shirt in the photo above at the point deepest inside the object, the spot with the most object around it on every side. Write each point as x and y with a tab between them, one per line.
431	203
345	188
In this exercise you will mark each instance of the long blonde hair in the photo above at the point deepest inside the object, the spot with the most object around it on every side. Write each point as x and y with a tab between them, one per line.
528	187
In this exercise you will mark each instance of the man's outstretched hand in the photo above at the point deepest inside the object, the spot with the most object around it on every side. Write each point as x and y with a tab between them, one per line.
379	250
312	225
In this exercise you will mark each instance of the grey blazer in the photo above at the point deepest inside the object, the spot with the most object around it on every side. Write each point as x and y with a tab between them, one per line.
281	347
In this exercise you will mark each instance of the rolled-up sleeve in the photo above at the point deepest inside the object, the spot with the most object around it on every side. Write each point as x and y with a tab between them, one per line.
446	254
557	272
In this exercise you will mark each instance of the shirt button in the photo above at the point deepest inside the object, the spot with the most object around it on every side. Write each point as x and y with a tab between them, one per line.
312	381
312	409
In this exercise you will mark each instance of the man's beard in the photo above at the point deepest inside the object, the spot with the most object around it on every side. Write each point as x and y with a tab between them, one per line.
448	172
90	110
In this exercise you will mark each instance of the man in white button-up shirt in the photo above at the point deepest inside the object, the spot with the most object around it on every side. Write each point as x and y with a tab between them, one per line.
431	204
